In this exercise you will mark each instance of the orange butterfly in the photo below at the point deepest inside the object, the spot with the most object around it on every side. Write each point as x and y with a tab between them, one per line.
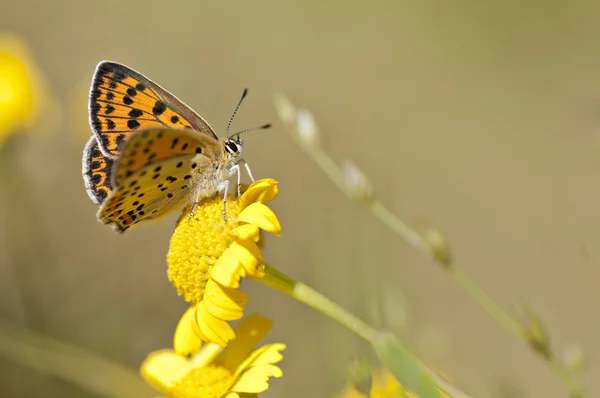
151	153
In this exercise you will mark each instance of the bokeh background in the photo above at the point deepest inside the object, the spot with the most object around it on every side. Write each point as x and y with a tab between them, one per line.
481	119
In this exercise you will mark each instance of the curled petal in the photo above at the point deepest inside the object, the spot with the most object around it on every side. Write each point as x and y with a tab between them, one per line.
249	256
185	340
261	216
212	329
263	191
228	270
223	302
245	232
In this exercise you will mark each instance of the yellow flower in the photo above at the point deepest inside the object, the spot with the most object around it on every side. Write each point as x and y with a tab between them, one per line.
384	385
23	94
213	372
209	255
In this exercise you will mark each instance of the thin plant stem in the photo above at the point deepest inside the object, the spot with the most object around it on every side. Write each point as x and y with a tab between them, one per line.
391	351
418	242
307	295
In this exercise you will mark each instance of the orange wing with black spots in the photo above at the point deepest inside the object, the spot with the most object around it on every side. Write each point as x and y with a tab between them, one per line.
152	146
97	170
123	101
159	169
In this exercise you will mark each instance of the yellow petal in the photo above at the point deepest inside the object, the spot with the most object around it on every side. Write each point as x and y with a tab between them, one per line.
261	216
245	232
231	395
223	302
249	332
211	328
228	270
162	369
248	254
185	340
264	191
265	355
256	379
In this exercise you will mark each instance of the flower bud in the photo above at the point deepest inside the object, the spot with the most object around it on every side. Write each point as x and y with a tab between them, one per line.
356	182
308	132
437	245
536	334
285	109
574	358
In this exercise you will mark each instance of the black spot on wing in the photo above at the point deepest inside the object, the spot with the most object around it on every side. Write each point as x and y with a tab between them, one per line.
159	108
133	124
134	112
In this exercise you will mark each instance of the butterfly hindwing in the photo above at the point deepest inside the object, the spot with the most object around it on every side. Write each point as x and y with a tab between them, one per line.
159	169
144	151
97	169
143	196
123	101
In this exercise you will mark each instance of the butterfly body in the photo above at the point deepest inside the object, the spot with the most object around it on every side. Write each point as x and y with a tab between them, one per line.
150	153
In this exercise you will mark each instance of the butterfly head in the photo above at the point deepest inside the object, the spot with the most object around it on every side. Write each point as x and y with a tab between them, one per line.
233	146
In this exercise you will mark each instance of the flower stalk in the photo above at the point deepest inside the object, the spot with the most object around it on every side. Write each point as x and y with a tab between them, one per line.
407	369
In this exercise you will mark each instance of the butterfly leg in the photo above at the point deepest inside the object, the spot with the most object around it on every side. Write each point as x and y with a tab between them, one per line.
225	191
247	168
237	166
198	195
236	169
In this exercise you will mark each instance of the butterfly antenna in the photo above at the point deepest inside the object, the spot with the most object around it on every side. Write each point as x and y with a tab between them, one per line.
263	127
234	112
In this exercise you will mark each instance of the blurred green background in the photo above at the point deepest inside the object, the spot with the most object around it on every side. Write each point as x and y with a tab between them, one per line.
479	118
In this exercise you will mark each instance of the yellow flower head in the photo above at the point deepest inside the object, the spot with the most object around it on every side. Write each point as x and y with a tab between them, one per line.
384	385
18	102
214	372
209	255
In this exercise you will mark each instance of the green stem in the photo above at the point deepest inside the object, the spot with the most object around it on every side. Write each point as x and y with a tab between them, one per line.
307	295
576	390
479	296
394	355
399	227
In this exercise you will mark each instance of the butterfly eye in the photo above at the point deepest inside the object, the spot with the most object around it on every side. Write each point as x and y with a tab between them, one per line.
232	147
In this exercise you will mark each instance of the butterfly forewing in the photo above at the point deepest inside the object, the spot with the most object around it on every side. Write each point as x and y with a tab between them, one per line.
123	101
97	169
